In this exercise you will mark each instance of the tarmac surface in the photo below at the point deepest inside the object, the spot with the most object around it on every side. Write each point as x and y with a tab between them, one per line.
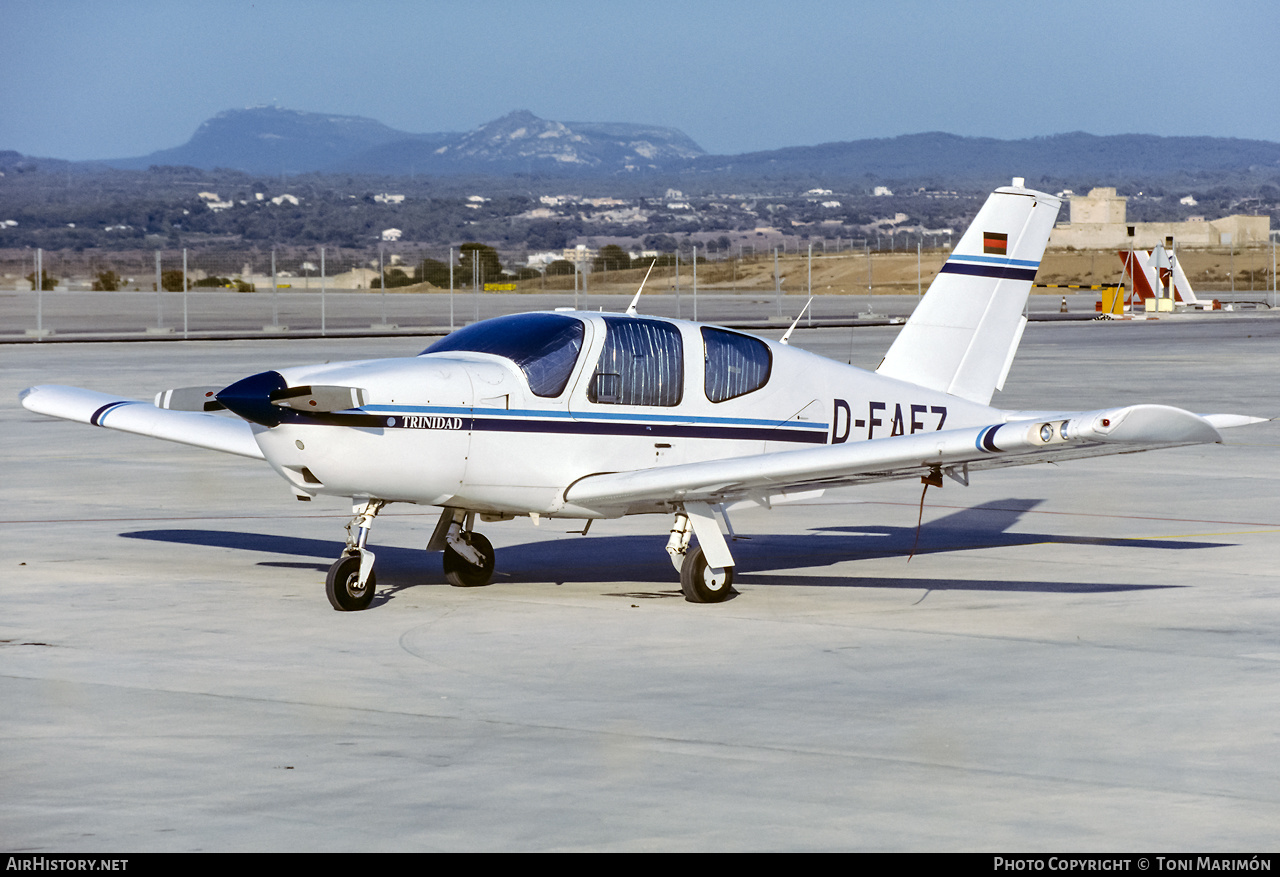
1078	657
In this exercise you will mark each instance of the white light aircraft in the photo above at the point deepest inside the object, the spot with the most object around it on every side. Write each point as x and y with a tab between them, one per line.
572	414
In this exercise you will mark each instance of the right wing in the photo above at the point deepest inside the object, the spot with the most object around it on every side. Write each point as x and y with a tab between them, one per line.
232	436
954	451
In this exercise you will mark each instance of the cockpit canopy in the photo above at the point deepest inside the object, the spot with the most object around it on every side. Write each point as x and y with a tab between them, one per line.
641	363
544	346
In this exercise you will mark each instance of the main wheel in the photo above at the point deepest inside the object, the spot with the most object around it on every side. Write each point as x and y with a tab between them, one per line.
460	572
342	585
702	583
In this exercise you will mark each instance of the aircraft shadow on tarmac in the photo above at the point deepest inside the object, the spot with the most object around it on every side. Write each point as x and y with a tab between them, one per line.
591	559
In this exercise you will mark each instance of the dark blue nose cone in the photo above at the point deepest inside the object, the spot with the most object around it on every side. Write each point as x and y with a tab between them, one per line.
250	398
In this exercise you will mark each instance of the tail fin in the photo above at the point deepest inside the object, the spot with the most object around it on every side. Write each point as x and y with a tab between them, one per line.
963	335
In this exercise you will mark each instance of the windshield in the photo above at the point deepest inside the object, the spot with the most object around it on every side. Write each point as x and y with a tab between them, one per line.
544	346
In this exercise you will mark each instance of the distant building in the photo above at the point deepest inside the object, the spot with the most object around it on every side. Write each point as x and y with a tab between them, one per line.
542	260
391	234
213	202
1097	221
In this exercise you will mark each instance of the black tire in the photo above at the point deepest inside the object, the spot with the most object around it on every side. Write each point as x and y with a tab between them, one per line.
460	572
342	585
698	582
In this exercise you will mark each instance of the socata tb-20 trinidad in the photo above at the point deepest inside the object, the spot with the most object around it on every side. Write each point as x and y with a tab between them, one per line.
593	415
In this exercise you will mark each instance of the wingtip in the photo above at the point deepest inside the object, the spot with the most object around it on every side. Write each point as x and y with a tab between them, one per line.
23	394
1227	421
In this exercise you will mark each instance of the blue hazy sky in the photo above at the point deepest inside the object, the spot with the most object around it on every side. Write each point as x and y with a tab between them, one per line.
83	80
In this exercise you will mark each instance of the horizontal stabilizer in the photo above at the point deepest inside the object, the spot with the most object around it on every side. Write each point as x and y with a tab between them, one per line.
142	418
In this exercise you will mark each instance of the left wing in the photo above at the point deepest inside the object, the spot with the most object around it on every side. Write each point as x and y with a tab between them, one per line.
211	431
1086	434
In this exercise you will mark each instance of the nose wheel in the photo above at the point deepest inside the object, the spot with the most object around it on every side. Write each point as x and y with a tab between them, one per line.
350	584
343	586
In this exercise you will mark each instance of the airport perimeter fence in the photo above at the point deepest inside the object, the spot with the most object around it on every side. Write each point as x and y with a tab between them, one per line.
358	268
332	289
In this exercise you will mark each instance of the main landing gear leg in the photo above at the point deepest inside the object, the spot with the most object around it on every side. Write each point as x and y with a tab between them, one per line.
468	556
706	572
351	582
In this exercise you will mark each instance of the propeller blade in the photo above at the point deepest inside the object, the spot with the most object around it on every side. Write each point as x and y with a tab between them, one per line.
260	398
318	398
189	399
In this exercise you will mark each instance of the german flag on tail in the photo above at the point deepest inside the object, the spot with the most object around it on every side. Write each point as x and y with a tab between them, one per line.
995	244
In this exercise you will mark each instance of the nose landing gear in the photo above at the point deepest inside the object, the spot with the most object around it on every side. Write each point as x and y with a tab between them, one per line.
350	584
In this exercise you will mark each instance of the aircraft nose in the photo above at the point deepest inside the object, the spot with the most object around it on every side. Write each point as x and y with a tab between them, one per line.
250	398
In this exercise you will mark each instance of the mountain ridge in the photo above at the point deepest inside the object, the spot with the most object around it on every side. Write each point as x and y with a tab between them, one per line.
274	140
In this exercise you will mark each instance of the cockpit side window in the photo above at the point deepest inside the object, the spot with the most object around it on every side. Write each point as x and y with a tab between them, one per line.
642	364
735	364
544	346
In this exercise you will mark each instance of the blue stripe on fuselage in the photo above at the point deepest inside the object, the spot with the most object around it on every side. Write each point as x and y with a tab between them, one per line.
664	430
564	423
604	416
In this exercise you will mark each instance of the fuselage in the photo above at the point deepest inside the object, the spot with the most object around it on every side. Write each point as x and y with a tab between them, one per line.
503	420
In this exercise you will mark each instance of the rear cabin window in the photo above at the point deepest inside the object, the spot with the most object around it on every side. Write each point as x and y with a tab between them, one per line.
642	364
544	346
735	364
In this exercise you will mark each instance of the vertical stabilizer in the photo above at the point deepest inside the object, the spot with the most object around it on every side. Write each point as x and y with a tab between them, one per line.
962	337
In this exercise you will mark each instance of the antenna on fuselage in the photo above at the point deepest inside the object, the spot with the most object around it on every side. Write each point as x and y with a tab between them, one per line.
631	308
787	334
